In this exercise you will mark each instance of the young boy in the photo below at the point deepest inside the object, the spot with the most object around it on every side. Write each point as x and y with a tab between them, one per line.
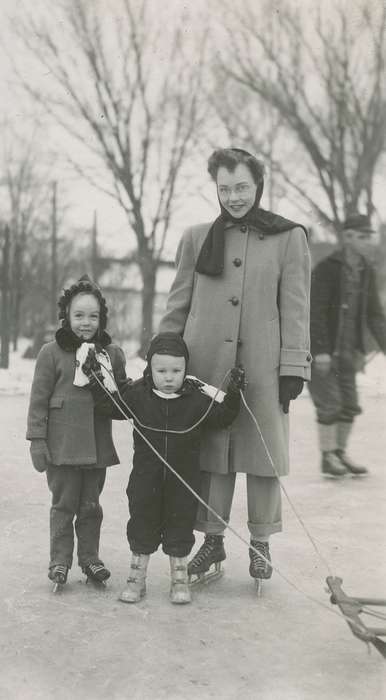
165	404
69	441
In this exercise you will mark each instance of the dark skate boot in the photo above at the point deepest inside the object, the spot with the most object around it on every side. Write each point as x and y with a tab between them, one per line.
332	465
259	567
179	589
97	573
350	466
58	574
211	553
136	582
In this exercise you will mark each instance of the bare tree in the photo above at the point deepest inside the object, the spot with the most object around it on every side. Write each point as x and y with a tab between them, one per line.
323	73
123	83
24	204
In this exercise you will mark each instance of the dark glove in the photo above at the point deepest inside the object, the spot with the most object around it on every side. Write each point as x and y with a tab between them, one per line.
92	367
40	455
237	381
289	389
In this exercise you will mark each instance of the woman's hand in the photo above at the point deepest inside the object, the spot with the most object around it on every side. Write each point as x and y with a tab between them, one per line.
289	389
322	364
237	381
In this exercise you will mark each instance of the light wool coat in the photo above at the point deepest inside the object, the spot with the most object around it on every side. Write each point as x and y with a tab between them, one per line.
64	415
257	314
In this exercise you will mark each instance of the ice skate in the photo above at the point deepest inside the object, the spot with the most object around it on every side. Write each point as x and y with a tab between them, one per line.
352	467
211	553
58	574
97	573
136	582
259	567
332	466
179	590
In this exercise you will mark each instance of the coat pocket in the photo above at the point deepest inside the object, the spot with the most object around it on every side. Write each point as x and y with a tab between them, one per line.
56	402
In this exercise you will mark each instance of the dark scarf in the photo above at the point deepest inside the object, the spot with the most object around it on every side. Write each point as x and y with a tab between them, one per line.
68	341
211	257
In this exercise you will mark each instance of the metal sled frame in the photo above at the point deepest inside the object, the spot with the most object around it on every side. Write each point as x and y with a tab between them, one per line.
351	609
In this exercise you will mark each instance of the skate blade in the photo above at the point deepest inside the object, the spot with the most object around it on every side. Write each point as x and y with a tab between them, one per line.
57	587
95	582
207	577
259	587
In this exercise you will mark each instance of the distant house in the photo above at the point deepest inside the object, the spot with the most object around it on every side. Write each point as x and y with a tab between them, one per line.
122	284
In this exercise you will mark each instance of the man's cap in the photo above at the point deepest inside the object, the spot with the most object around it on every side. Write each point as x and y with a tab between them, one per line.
358	222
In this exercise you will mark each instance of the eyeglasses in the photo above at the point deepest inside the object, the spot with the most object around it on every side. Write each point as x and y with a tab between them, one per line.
241	189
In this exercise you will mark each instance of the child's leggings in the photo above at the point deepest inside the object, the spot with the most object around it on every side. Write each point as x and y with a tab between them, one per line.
75	494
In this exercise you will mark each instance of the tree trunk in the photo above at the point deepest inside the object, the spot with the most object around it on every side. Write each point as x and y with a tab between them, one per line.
148	269
17	294
5	298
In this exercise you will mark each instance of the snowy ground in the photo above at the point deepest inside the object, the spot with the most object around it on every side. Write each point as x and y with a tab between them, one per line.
84	644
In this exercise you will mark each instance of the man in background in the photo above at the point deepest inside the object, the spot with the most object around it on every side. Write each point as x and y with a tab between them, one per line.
344	303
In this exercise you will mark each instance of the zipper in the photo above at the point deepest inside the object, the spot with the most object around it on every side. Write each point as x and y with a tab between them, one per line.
166	436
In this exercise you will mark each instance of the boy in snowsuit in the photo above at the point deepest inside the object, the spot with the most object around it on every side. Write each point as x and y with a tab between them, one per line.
69	441
165	404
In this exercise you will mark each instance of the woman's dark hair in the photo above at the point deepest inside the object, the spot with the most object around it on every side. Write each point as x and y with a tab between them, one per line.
230	158
83	286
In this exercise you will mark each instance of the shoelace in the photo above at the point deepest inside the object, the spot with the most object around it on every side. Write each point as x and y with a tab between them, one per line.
203	552
256	559
96	568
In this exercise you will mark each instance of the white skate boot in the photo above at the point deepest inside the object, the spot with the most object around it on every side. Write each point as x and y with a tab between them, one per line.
179	590
136	582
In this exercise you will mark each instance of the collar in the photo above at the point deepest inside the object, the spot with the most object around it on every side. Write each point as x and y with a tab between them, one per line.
165	396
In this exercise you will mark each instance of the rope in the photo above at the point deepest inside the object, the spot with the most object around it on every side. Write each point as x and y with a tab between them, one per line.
165	430
290	583
294	510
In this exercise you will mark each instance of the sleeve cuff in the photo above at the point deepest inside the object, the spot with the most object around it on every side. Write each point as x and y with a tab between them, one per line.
295	363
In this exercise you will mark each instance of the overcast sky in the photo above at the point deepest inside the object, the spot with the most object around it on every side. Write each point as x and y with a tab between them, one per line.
83	199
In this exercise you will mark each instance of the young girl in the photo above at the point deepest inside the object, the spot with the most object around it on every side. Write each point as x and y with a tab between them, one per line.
70	442
162	509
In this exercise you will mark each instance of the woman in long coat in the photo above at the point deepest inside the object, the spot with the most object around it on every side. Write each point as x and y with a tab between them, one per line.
241	295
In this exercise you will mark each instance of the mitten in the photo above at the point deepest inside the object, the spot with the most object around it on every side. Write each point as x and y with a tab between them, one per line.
40	455
91	367
237	380
289	389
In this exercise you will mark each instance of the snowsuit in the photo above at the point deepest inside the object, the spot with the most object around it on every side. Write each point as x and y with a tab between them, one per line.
80	445
162	510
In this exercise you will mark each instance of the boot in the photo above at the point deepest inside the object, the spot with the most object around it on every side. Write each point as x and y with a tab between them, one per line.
96	572
58	574
179	590
332	465
136	582
259	568
352	467
211	552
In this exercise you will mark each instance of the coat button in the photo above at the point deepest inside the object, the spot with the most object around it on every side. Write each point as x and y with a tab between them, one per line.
234	301
239	342
261	236
243	228
237	262
309	358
